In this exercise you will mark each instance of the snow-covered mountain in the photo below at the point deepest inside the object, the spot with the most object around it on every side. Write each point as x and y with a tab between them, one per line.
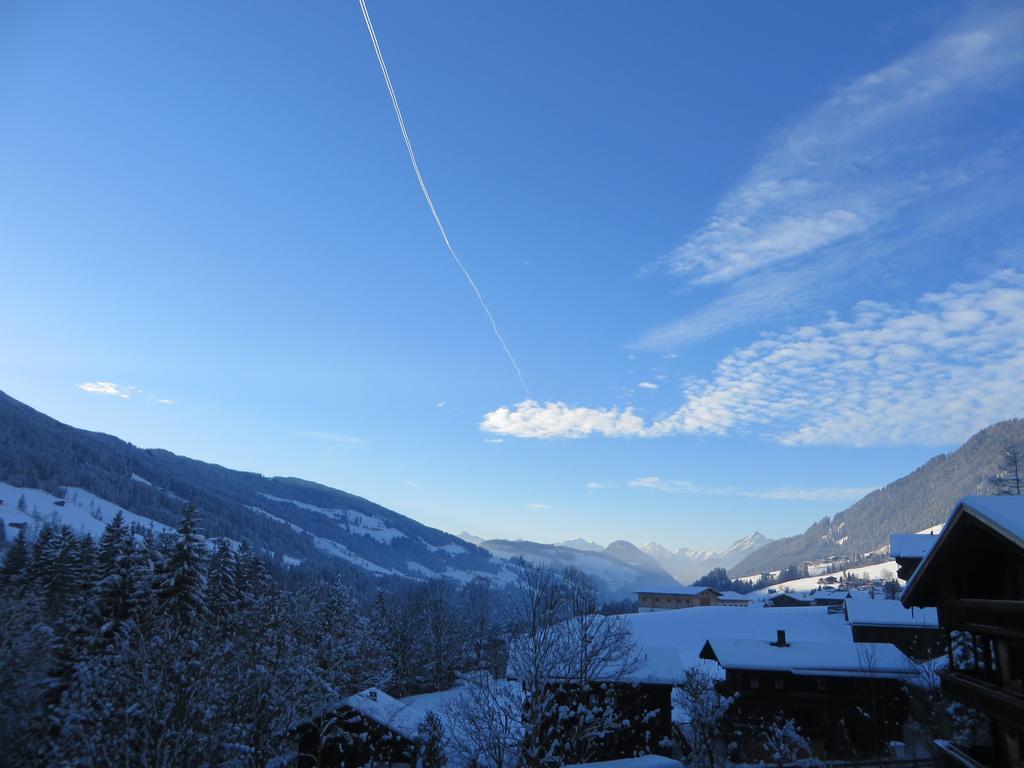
300	522
686	565
914	502
581	544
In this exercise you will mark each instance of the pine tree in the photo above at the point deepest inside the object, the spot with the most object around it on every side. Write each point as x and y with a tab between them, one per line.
113	544
251	577
430	735
16	560
63	575
221	590
183	574
22	504
3	533
1009	477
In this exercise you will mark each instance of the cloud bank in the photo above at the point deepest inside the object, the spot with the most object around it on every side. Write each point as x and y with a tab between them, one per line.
928	374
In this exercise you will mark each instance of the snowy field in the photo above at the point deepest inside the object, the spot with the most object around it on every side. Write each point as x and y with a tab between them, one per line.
83	511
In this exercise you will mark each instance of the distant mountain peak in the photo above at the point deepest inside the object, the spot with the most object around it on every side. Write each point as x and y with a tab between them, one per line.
686	565
581	544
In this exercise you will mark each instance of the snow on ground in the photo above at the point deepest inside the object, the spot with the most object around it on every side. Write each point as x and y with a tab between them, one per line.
83	511
884	570
366	525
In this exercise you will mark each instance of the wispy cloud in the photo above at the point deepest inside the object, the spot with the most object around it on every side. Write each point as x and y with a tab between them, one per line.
411	484
928	374
595	486
330	437
781	494
108	388
836	185
647	385
857	158
538	506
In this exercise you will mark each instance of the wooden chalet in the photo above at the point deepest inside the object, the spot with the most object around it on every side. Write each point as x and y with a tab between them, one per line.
786	600
846	698
974	576
369	728
915	631
908	550
674	598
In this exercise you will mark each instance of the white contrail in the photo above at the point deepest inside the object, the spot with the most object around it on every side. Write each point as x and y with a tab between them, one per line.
426	196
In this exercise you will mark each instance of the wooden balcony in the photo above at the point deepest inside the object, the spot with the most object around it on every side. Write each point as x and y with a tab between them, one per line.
1006	706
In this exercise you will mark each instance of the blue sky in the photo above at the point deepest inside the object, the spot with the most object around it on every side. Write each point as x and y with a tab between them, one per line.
752	259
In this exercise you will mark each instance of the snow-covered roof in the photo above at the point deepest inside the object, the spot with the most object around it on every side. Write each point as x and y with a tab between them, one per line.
680	590
686	631
384	709
889	613
911	545
403	716
645	761
801	657
730	595
659	664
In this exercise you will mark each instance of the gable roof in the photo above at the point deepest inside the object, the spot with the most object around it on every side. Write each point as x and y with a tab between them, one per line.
403	716
1003	515
808	657
888	613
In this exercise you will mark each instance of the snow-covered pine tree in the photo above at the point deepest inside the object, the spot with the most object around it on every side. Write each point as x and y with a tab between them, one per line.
112	544
183	574
221	592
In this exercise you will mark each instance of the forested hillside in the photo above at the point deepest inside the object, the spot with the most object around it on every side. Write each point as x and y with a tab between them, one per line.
917	501
320	527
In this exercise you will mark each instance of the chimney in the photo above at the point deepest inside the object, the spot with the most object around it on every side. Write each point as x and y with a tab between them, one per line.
781	639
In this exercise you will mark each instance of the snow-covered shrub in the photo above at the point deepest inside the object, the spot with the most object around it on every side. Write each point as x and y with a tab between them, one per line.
705	710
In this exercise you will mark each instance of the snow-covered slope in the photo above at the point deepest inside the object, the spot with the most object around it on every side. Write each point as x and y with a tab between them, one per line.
918	500
83	511
296	519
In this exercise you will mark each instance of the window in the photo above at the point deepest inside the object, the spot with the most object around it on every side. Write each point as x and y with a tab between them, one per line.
778	684
821	684
755	682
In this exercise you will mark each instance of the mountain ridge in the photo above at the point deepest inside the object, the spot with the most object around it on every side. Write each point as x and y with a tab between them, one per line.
920	499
